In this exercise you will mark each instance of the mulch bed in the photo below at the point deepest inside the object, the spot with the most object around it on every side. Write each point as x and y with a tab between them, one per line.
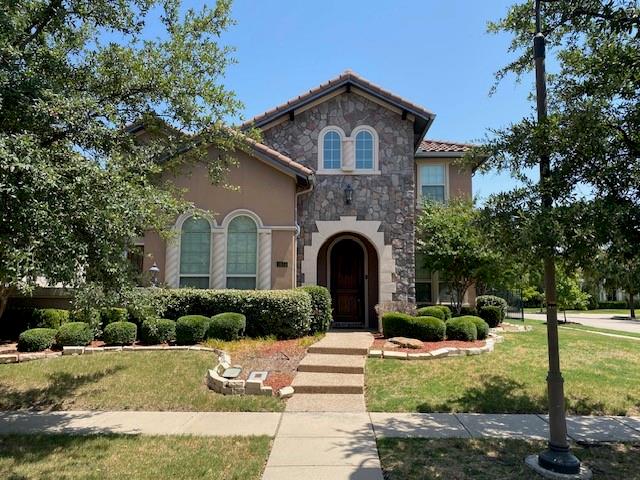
379	342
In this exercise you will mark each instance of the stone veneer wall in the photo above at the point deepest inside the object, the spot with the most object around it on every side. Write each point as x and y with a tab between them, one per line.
388	197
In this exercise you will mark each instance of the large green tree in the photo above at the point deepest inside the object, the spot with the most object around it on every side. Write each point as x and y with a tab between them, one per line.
76	185
592	134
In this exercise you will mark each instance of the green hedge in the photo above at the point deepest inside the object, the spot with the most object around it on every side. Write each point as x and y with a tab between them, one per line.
50	317
90	316
613	305
74	334
158	330
465	311
462	328
191	329
120	333
320	307
432	311
491	314
428	329
492	300
113	314
482	327
283	313
36	339
227	326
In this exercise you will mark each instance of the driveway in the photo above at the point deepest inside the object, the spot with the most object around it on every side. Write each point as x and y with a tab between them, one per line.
597	320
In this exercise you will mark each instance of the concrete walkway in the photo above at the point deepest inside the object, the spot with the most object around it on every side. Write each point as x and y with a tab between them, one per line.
350	434
596	320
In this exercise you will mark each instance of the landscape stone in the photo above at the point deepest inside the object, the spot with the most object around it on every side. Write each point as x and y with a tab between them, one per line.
375	353
407	342
285	392
72	350
396	355
10	358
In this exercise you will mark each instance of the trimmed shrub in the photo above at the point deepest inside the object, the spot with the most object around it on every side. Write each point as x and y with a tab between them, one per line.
90	316
492	315
320	307
446	310
492	300
191	329
465	311
158	330
113	314
283	313
433	311
462	328
482	327
36	339
120	333
427	329
50	317
612	305
74	334
227	326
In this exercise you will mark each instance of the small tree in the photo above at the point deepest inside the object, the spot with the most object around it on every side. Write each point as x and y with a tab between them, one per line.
451	241
569	292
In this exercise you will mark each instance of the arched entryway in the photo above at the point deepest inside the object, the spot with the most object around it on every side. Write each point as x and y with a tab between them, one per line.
348	267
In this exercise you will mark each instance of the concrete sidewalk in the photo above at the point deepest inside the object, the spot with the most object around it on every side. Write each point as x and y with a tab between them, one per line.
291	425
597	320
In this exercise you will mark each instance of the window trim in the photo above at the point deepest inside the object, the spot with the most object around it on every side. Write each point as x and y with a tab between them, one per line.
225	224
179	223
421	164
321	135
375	167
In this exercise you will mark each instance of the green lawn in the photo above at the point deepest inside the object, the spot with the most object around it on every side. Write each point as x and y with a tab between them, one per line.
602	376
605	311
596	329
489	459
121	381
67	457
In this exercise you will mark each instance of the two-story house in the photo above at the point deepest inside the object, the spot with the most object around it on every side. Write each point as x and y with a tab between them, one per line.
329	197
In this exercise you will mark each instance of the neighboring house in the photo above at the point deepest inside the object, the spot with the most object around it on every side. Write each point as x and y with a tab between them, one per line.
329	197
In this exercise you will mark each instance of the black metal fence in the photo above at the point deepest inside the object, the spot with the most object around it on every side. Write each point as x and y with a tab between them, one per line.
515	304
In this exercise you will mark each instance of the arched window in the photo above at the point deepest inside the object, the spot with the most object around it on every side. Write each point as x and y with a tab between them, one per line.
364	150
242	253
195	253
331	150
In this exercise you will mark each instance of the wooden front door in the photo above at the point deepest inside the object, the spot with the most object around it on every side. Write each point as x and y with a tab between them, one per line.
347	282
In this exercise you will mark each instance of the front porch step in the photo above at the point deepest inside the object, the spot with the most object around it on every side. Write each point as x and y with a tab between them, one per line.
338	343
324	363
313	382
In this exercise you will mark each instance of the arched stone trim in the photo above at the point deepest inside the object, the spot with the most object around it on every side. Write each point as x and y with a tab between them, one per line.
238	212
323	132
376	143
366	228
172	258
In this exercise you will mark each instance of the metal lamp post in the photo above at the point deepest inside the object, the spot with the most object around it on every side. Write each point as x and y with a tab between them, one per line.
557	457
154	274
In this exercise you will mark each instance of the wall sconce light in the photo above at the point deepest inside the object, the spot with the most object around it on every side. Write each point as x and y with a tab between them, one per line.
348	194
154	270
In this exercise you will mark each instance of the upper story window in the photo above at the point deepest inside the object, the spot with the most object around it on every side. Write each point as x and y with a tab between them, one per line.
364	150
433	180
195	253
242	253
332	150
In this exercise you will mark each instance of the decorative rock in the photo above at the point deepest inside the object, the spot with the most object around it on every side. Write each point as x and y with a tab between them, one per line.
285	392
91	350
128	348
407	342
10	358
112	349
27	357
396	355
253	386
389	345
420	356
72	350
440	352
267	391
375	353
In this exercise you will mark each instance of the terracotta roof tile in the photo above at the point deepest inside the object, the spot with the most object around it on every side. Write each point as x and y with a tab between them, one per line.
279	157
429	145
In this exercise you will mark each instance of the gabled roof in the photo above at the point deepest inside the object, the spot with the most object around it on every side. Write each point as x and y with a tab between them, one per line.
423	117
279	160
430	147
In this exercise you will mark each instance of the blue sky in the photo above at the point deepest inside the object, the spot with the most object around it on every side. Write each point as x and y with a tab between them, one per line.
435	53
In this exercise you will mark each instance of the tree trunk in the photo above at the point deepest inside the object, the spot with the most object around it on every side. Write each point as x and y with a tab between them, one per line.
5	292
632	306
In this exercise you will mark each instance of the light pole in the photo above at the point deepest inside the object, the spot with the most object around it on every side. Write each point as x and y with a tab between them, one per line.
557	457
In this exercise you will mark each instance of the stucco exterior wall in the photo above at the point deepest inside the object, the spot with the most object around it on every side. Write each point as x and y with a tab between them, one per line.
387	197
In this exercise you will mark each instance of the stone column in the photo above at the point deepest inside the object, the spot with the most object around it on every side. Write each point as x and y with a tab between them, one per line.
218	263
348	155
172	261
264	260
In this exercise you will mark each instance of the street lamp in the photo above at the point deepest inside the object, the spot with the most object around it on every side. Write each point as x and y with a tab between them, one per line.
154	270
557	458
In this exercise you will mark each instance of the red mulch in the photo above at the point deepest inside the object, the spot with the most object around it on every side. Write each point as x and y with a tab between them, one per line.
428	346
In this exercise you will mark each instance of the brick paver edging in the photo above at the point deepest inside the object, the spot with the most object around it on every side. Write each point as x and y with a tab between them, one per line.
440	352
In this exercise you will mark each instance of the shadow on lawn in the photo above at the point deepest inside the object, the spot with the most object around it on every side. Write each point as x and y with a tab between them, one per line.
61	386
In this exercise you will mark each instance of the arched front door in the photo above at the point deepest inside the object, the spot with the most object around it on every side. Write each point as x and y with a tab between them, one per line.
347	282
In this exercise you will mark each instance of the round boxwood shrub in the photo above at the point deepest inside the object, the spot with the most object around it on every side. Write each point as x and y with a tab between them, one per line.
481	326
462	328
36	339
446	310
50	317
227	326
113	314
427	329
191	329
74	334
492	315
90	316
320	307
465	311
158	330
120	333
433	311
492	300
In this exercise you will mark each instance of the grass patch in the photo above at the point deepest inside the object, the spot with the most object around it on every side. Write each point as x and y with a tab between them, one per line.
121	381
68	457
597	311
257	343
602	377
488	459
602	330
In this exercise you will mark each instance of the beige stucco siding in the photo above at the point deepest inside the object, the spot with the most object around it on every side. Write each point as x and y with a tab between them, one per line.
458	177
254	186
